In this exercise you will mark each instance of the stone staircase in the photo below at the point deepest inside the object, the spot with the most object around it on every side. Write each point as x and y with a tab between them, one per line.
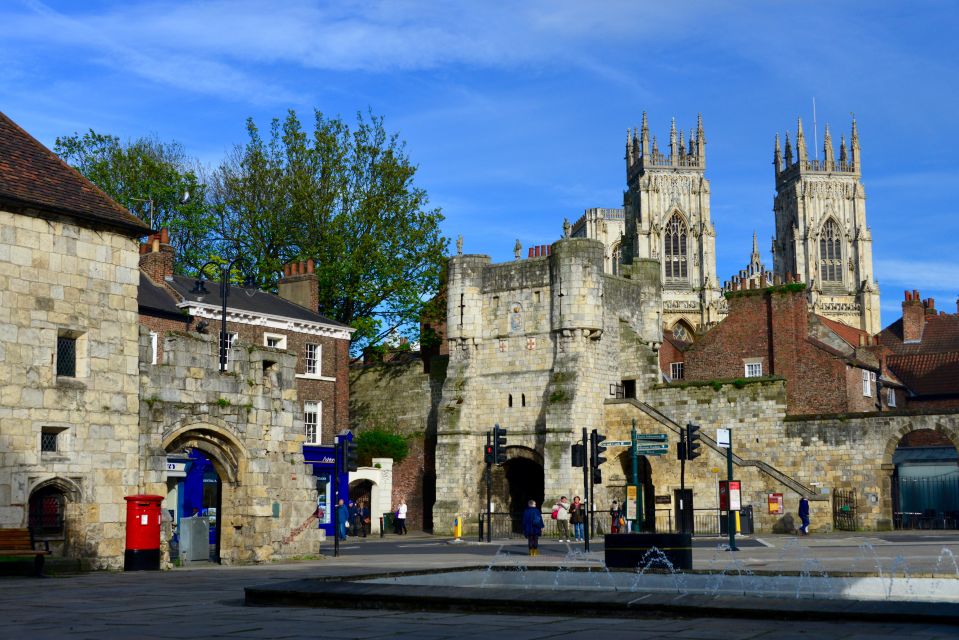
787	481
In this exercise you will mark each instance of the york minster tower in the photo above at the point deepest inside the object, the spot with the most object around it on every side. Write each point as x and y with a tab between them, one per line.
821	232
667	219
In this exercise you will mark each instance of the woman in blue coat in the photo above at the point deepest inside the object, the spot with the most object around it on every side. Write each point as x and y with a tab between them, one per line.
533	527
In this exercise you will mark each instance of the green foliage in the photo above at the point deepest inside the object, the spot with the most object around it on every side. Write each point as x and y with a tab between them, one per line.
344	197
559	395
380	443
146	173
222	403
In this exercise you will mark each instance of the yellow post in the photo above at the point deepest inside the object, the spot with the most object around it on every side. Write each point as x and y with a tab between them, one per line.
457	527
738	530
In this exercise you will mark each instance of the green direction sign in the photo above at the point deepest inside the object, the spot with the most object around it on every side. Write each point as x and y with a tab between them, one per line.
615	443
651	437
651	448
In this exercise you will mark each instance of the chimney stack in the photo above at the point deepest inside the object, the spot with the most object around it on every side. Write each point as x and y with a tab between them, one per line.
913	317
300	285
156	256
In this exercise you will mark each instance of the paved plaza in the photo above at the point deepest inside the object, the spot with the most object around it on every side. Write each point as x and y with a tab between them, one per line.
207	600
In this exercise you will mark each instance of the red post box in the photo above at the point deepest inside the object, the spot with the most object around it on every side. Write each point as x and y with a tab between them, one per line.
143	533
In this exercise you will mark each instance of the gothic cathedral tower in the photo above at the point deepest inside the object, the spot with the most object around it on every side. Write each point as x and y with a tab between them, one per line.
821	232
667	219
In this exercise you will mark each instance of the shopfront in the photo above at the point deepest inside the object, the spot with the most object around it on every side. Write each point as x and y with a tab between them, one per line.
323	459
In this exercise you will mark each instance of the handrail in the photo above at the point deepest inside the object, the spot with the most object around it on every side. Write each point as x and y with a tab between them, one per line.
766	468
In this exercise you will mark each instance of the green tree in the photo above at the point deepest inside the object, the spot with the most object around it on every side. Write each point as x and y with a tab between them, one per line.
345	197
380	443
149	177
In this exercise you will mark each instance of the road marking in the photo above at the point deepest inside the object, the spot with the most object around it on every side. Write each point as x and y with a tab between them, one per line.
422	544
764	543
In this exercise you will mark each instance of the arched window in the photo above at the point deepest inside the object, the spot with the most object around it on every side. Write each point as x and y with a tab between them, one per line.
617	258
674	251
681	331
510	401
830	253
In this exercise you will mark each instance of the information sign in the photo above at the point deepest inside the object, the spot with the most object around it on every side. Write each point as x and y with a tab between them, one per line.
631	503
730	495
776	504
722	438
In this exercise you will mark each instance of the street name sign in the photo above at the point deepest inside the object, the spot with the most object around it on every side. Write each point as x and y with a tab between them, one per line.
615	443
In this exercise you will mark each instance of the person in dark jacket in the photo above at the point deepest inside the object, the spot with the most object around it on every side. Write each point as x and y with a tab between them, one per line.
342	515
354	527
614	516
804	516
533	527
577	517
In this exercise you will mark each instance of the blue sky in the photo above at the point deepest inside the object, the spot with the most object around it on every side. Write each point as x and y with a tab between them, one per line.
516	112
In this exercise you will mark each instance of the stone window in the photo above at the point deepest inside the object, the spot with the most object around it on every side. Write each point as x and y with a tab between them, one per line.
66	357
313	359
509	401
274	340
830	253
154	338
616	258
891	397
523	399
677	370
313	421
754	369
675	250
51	440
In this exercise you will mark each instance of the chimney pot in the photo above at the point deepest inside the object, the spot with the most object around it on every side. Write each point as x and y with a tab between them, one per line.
908	296
286	271
932	303
165	235
310	265
915	294
530	255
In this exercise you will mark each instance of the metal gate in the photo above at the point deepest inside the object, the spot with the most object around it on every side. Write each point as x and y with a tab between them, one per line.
845	510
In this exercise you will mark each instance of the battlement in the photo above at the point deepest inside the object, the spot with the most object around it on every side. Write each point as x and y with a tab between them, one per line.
643	154
789	167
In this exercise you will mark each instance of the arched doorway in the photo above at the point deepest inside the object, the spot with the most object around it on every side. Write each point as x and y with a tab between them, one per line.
361	494
47	511
524	481
925	482
648	488
210	489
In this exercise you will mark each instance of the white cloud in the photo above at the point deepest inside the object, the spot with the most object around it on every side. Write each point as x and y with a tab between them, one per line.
916	274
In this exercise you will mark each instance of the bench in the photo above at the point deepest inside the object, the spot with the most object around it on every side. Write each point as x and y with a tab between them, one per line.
19	542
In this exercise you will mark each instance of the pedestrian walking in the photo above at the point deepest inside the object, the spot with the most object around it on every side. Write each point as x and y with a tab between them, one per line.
401	518
354	520
615	515
342	516
804	516
561	509
364	518
532	527
577	517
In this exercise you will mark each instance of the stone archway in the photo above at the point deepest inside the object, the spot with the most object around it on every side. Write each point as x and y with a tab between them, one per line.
51	510
924	481
229	459
942	429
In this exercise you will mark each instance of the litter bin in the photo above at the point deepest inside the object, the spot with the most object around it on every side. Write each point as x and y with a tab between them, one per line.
388	522
143	533
746	520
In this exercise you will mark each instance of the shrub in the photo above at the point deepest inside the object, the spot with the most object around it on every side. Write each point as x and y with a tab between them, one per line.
380	443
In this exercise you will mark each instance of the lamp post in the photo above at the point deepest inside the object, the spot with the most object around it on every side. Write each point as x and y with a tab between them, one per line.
200	287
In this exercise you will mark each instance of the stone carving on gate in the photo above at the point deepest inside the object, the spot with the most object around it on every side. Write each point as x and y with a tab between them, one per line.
515	317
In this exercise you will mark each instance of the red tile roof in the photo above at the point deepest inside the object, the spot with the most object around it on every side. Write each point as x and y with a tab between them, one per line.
928	374
940	335
33	177
844	331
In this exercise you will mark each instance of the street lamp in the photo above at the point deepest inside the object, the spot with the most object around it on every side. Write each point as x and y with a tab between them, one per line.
200	287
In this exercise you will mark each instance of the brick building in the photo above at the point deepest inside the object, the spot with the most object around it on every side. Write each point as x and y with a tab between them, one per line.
923	352
286	322
828	367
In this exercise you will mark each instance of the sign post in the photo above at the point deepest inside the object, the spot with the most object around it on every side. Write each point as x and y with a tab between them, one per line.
730	513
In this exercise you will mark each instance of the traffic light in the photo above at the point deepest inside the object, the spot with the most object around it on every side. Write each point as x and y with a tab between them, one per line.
693	442
348	455
596	455
499	444
488	456
578	454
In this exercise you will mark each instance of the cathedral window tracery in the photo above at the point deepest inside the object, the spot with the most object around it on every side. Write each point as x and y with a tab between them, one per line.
830	253
674	249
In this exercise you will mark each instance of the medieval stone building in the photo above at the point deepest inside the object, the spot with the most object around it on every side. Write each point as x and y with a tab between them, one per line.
822	236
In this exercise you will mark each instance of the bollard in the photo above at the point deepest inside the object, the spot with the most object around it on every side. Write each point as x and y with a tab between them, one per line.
382	530
479	520
457	528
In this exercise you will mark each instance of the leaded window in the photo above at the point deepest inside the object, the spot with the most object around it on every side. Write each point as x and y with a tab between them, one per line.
67	357
674	250
830	253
